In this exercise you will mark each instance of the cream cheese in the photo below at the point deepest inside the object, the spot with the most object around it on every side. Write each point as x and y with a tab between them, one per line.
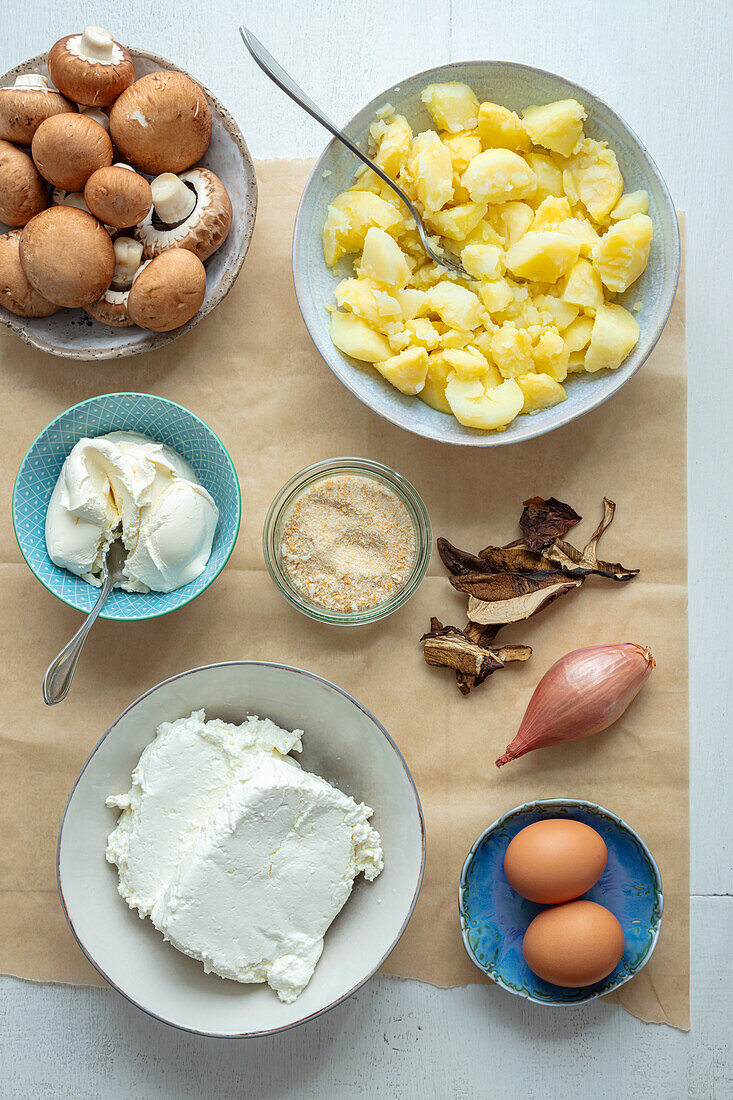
241	858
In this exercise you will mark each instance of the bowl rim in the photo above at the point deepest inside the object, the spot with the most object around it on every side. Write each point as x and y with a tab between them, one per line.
421	819
104	614
156	339
576	803
489	438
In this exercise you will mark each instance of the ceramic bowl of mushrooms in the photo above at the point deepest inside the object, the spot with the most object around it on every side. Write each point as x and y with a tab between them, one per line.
127	199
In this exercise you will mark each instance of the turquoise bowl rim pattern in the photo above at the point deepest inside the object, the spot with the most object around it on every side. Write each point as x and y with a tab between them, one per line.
123	606
557	996
587	392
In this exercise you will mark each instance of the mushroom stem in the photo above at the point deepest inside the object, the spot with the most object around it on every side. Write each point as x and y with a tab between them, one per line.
96	45
32	82
173	201
71	198
128	254
98	116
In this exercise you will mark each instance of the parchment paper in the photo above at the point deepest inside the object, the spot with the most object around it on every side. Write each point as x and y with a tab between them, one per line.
252	373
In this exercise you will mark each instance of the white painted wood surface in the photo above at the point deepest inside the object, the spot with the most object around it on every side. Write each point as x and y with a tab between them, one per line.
666	68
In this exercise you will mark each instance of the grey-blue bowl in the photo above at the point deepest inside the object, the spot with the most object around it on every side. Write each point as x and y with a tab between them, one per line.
494	917
161	420
515	86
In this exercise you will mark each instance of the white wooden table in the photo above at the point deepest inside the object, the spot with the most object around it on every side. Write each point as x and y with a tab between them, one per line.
666	68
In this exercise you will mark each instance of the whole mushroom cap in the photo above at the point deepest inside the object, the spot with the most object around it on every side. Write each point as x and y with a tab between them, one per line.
68	148
23	194
118	196
23	108
167	291
203	231
67	256
161	123
16	293
95	83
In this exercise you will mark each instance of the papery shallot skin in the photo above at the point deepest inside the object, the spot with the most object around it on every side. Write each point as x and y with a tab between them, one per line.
583	693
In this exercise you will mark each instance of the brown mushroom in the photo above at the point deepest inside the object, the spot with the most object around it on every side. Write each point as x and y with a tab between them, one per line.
161	123
22	191
90	68
16	293
167	291
111	309
191	211
76	198
67	256
29	102
68	148
118	196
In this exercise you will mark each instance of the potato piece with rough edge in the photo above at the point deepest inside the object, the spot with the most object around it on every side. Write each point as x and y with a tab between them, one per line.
483	261
556	126
544	256
484	233
496	296
622	253
431	171
595	178
540	392
411	302
555	213
511	350
477	405
577	335
576	363
456	222
405	371
422	333
549	177
394	146
468	362
349	218
583	286
433	392
500	128
511	220
551	355
383	260
455	338
633	202
368	301
456	306
354	337
454	106
615	333
497	175
463	147
562	313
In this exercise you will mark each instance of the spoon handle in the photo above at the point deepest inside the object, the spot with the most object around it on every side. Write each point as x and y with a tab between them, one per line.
60	672
277	74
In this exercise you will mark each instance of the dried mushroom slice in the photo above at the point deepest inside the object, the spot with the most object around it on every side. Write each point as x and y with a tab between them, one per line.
514	608
543	521
449	647
582	563
458	561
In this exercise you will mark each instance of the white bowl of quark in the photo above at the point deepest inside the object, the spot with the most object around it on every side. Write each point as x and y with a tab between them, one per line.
72	334
344	743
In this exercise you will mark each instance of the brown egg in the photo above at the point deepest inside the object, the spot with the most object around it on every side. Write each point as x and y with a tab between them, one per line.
574	944
555	860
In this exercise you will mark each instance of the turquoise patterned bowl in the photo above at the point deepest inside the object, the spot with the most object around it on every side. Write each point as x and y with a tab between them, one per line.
165	422
515	86
494	917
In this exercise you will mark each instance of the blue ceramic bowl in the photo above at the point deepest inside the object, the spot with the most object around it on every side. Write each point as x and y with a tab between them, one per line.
494	917
515	86
165	422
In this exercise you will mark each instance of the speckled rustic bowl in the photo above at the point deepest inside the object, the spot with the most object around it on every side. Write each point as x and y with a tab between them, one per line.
494	917
515	86
71	334
345	744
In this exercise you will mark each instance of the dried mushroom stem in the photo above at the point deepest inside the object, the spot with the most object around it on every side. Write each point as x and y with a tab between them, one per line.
173	201
449	647
583	562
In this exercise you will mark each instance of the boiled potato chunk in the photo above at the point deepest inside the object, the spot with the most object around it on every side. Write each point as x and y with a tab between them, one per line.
615	333
483	261
555	213
497	175
577	335
561	313
433	392
411	302
456	222
549	176
477	405
511	220
551	355
349	218
556	126
540	392
354	337
496	296
500	128
454	106
368	301
383	260
406	371
511	350
583	286
622	253
594	177
633	202
544	256
395	138
456	306
484	233
470	363
431	170
463	147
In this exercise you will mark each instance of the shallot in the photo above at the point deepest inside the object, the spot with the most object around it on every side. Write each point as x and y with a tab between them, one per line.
583	693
